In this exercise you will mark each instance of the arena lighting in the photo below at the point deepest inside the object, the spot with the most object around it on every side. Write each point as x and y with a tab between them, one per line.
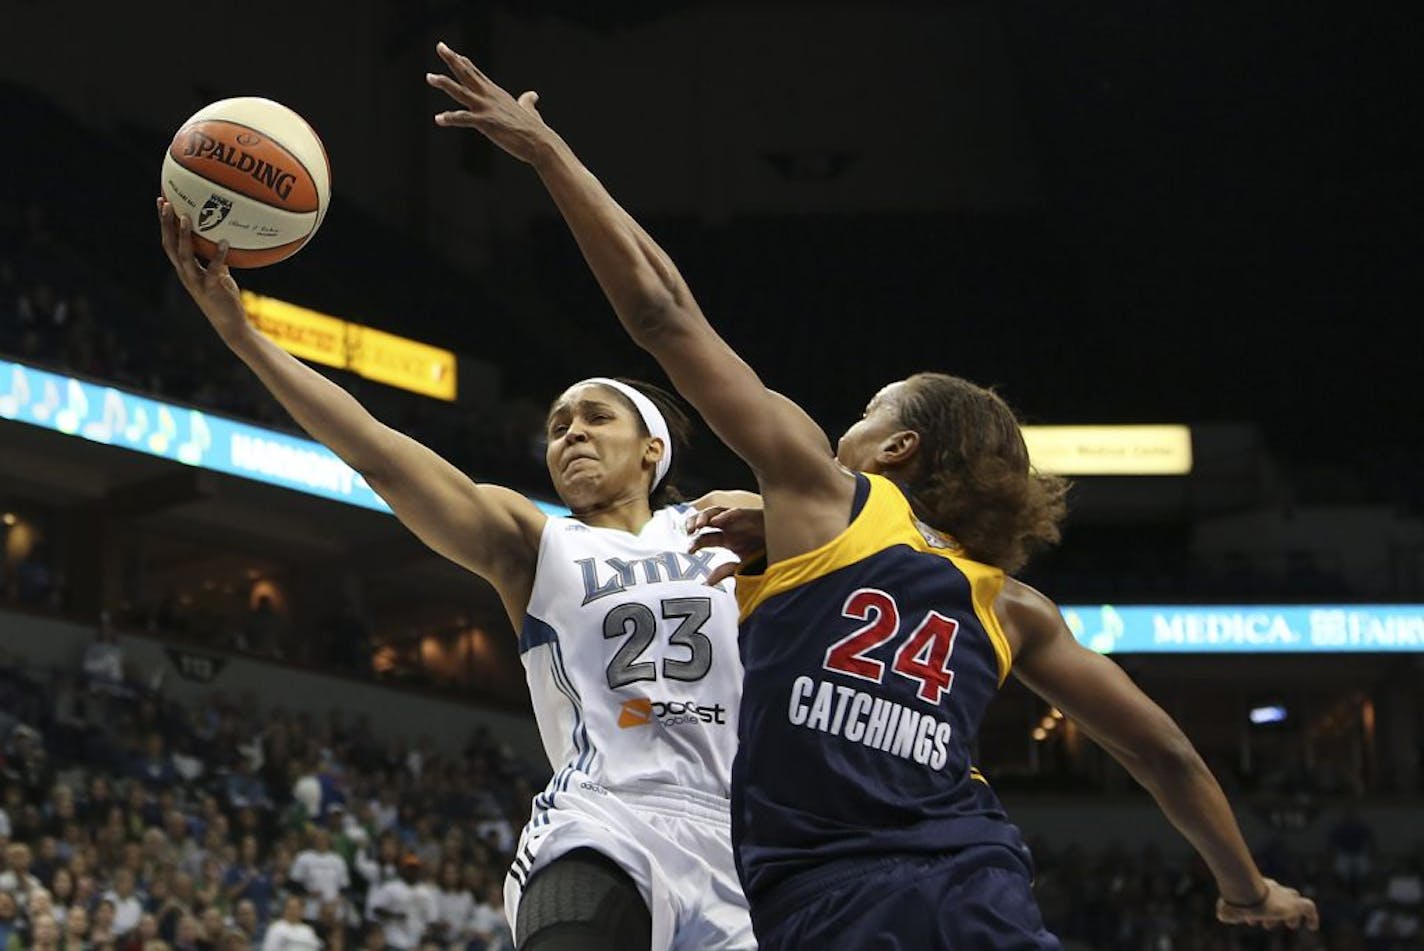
374	354
1110	450
8	518
114	417
1039	733
1271	714
1247	628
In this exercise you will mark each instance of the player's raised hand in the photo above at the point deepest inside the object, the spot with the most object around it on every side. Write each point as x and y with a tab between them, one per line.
1280	906
212	287
513	124
743	530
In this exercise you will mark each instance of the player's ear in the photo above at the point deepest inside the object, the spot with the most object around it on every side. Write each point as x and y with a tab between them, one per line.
898	448
654	452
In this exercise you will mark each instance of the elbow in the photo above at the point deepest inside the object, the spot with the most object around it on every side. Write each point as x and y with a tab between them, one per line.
1167	759
656	318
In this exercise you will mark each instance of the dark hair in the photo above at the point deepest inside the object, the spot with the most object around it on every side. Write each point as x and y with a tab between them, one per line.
679	429
974	480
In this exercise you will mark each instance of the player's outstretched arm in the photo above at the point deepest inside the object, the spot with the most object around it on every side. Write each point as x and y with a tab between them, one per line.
1096	694
775	437
490	530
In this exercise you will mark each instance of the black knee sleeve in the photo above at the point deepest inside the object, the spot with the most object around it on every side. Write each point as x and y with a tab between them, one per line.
582	901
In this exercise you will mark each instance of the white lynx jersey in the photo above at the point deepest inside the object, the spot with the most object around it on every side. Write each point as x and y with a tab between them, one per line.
632	658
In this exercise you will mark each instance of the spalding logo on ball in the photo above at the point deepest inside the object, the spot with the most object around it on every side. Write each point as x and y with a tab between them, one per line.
250	171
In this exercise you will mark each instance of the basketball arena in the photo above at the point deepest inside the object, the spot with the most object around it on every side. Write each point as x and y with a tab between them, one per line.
349	591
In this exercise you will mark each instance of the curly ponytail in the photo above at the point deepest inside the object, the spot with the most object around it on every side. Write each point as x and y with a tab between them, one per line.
974	481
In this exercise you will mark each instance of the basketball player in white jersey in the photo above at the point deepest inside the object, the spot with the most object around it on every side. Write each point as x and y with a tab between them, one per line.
631	657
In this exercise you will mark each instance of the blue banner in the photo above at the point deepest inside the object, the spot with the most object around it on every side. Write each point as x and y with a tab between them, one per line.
1247	628
115	417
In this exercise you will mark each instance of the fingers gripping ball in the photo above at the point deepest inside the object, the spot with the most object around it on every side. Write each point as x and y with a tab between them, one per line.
251	171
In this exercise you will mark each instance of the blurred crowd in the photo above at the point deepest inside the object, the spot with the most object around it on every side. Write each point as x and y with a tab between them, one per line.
1143	901
129	821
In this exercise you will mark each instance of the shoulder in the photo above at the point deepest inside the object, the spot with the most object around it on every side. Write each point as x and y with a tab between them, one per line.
1028	615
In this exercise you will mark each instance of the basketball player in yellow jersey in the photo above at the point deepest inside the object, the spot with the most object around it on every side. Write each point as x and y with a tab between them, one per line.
882	626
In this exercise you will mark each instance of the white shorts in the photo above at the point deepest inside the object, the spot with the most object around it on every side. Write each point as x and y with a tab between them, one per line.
675	844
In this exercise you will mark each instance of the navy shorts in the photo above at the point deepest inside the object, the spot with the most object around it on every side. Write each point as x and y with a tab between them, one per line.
976	899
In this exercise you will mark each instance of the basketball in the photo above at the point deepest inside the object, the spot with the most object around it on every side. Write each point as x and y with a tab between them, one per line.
253	172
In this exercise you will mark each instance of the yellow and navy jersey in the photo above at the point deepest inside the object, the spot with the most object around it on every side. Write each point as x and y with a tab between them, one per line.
868	664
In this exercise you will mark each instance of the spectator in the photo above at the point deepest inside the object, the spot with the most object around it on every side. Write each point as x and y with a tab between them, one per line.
1352	846
34	581
104	659
44	933
321	872
146	933
306	790
41	903
186	853
11	931
400	907
46	861
247	881
175	907
128	907
102	931
210	928
330	926
187	935
244	787
86	888
488	923
17	878
76	929
245	920
155	767
208	890
454	907
27	764
290	932
262	631
62	888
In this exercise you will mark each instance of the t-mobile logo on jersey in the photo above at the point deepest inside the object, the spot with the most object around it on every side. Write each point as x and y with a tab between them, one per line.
640	711
667	566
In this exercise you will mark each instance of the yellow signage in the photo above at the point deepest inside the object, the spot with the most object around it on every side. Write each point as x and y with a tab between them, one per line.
308	334
374	354
396	361
1110	450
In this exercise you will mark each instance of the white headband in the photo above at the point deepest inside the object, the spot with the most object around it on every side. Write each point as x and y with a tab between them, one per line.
652	419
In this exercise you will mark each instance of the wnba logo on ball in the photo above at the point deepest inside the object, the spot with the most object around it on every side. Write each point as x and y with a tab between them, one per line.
214	210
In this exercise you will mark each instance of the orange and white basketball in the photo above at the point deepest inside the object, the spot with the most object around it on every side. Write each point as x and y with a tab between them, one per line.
251	171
